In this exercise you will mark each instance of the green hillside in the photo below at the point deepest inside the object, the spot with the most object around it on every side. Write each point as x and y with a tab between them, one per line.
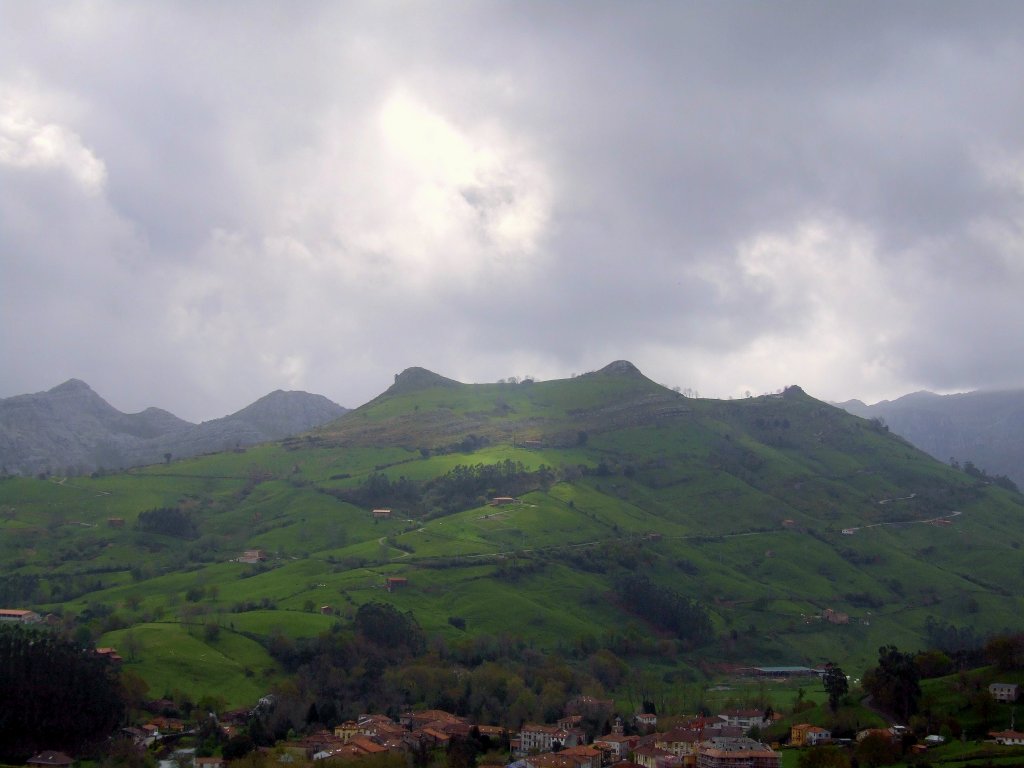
625	493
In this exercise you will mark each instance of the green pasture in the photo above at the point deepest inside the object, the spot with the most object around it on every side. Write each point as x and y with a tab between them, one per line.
737	505
170	658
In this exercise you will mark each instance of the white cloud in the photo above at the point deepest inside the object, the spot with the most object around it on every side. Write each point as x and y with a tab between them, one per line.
28	141
829	311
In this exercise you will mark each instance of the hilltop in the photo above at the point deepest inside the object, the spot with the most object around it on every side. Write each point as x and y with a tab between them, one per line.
72	430
599	513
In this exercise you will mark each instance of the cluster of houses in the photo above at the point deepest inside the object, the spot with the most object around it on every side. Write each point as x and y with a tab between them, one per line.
718	741
377	734
703	742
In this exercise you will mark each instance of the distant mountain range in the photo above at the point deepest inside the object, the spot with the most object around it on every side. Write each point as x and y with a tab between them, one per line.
72	430
985	428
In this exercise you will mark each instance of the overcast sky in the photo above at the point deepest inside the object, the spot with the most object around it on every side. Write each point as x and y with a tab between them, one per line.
204	202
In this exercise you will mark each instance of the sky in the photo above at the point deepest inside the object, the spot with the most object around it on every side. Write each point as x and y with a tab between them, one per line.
204	202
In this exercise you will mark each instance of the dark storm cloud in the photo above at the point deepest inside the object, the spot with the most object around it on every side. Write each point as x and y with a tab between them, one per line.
200	204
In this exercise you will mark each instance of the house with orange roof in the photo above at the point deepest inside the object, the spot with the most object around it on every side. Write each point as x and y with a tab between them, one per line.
110	654
807	735
584	756
19	615
1008	738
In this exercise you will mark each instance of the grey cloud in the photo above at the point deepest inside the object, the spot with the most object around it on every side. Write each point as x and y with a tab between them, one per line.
253	234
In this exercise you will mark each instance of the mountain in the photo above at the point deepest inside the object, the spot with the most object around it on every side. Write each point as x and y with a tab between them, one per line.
985	428
72	430
593	515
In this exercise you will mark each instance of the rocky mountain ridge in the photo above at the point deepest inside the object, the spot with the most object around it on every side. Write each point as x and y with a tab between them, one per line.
985	428
72	430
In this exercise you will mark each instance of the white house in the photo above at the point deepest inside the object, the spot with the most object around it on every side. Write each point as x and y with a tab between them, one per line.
1004	691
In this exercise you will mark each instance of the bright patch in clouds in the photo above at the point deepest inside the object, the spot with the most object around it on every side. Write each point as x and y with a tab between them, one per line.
471	198
830	310
28	142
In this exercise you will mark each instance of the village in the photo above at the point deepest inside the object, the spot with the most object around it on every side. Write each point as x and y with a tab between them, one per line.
434	737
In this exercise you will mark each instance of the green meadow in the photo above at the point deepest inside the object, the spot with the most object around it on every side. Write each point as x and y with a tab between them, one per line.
765	511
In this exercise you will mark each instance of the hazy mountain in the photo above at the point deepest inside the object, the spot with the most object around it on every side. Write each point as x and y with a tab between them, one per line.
71	429
985	428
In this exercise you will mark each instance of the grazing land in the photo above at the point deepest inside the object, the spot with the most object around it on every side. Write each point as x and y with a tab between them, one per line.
774	529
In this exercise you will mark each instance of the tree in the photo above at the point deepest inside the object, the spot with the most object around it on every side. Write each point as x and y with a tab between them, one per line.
132	645
388	628
836	685
54	695
238	746
894	683
1006	651
877	749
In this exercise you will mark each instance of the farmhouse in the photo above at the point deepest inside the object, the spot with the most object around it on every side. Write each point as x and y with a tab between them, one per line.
391	583
253	556
1008	738
807	735
1006	692
19	615
109	653
382	514
835	617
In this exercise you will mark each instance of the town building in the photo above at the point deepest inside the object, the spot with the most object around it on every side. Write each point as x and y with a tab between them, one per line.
534	738
724	752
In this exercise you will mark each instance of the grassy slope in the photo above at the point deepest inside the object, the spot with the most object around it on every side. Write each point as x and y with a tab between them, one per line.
749	498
